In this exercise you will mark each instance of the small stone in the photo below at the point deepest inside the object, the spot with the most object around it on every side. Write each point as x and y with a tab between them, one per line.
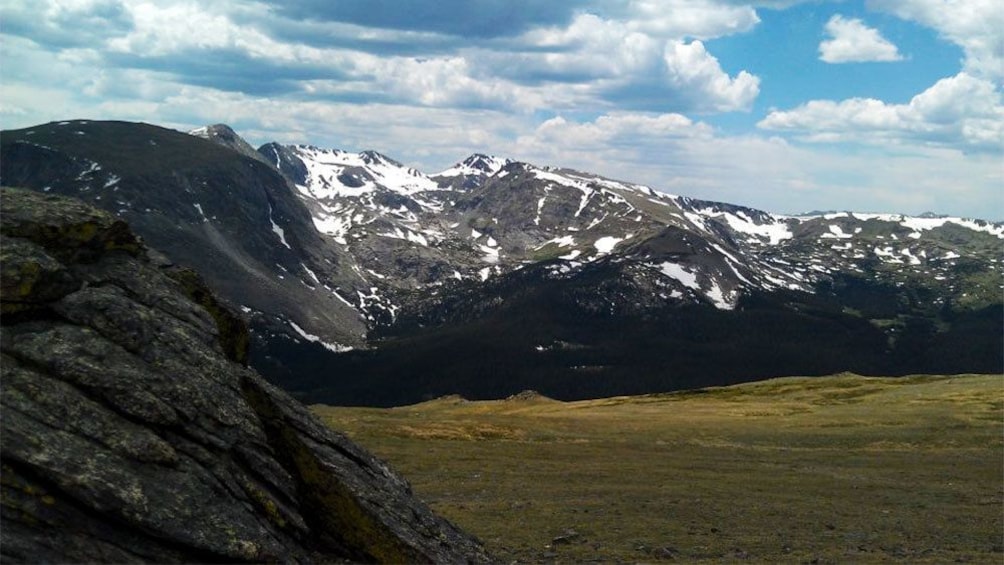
566	538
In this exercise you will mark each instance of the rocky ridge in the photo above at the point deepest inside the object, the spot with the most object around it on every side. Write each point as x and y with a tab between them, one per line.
132	431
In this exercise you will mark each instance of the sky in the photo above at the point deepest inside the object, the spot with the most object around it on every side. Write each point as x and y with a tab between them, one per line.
784	105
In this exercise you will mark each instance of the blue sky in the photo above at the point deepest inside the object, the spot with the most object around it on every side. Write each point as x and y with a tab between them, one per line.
784	105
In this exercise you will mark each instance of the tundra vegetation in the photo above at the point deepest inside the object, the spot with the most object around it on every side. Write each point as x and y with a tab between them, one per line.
827	469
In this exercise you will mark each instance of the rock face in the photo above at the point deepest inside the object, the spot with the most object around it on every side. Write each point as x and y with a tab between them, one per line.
132	431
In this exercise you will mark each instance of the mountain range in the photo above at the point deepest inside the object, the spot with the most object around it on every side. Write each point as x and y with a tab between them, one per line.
369	282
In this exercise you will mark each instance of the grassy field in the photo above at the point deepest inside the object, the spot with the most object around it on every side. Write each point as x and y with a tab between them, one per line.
816	470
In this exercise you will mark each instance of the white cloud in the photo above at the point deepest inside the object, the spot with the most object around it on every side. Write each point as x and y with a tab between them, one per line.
616	132
672	153
678	19
669	152
167	29
448	82
963	111
854	42
611	62
589	48
635	55
429	98
975	25
694	71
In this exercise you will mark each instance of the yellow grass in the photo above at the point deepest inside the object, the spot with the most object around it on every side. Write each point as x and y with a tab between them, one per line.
835	469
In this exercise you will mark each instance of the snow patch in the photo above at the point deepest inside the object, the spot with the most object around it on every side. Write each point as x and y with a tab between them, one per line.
333	347
310	273
675	271
540	207
716	296
774	231
887	254
491	254
565	241
607	244
836	233
276	229
343	299
573	255
922	224
913	259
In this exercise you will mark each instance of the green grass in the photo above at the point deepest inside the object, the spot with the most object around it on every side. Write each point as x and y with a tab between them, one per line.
835	469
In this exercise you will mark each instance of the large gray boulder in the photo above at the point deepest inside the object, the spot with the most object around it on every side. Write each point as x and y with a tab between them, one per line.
132	431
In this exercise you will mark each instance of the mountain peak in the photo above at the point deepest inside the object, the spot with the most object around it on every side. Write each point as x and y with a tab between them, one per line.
215	130
222	134
478	164
371	157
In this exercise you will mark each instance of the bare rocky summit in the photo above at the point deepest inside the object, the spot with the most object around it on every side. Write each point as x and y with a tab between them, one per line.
133	431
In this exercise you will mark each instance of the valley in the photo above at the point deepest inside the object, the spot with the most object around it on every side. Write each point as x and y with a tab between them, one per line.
823	470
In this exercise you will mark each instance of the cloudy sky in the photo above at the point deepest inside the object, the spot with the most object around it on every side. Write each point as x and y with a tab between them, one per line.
789	106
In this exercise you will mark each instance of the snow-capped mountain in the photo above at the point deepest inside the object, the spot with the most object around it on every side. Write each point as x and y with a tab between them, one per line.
471	172
541	268
505	214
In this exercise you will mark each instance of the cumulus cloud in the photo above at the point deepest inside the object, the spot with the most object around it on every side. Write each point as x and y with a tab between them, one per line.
672	153
668	152
691	69
700	19
62	25
609	131
851	41
469	18
430	82
516	56
611	62
500	19
975	25
961	111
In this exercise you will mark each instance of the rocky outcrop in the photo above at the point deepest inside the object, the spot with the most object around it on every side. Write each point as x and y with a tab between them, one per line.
133	432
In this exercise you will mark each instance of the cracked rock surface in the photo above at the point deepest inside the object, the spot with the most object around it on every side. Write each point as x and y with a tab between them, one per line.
132	430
